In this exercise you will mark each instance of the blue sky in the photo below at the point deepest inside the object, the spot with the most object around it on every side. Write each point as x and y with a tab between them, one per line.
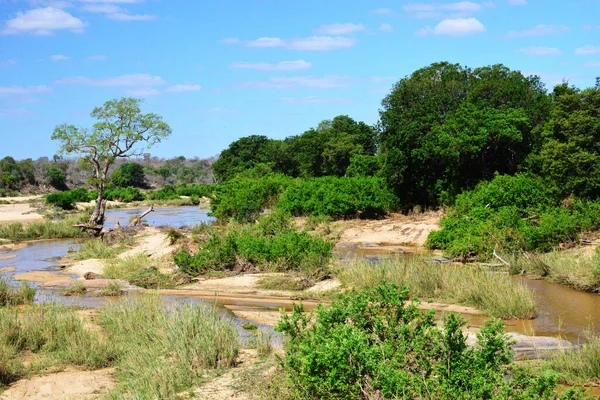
220	70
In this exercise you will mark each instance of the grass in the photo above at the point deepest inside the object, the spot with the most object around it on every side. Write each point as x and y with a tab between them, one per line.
495	294
17	232
52	331
578	366
11	296
141	270
291	282
77	288
96	248
565	267
262	342
165	352
112	289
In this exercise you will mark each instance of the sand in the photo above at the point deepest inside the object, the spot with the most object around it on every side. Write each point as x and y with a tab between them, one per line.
80	268
18	213
153	242
41	276
71	384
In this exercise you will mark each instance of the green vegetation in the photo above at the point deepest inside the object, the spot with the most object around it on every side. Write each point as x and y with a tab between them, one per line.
514	213
195	189
141	270
16	231
337	198
289	281
129	175
271	244
164	352
96	248
77	288
244	199
166	193
111	290
578	367
373	344
67	199
10	296
491	292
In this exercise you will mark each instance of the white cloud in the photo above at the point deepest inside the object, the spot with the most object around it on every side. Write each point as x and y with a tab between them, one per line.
280	66
587	50
230	41
540	51
339	29
321	43
316	43
123	80
383	11
142	92
325	82
386	27
265	42
183	88
7	63
517	2
314	100
59	57
42	21
589	27
50	3
538	30
22	90
454	27
102	8
121	16
592	64
99	57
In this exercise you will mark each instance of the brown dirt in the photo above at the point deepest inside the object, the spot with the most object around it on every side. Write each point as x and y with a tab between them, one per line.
71	384
223	387
397	229
19	213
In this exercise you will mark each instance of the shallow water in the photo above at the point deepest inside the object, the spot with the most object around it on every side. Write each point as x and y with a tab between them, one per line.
173	216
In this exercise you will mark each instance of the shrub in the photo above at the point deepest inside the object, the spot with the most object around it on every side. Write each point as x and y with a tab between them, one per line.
126	195
95	248
140	270
244	199
166	193
64	229
129	174
195	189
363	165
338	198
10	296
56	178
520	212
272	244
67	199
373	344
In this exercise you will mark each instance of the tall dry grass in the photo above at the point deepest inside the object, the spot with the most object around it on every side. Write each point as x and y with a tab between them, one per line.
494	293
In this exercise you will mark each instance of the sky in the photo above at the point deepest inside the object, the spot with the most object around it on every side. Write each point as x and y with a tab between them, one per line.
219	70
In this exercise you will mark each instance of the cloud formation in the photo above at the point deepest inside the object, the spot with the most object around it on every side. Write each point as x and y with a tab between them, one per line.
42	21
22	90
315	43
115	12
587	50
454	27
455	10
540	51
131	80
280	66
339	29
183	88
538	30
386	27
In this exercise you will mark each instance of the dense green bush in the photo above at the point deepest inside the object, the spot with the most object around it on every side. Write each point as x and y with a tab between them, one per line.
272	244
126	195
57	178
338	197
363	165
520	212
244	199
67	199
166	193
129	174
372	344
195	189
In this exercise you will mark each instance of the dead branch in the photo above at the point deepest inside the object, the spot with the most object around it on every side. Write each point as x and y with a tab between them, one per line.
138	219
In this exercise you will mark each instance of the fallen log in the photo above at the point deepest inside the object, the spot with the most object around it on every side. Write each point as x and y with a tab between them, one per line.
138	218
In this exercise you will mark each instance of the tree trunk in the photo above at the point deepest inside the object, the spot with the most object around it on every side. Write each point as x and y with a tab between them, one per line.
97	217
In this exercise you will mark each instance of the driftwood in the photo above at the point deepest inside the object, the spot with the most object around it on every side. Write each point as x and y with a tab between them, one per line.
138	218
501	259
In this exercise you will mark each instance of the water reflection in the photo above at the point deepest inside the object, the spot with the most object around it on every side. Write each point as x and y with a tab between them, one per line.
173	216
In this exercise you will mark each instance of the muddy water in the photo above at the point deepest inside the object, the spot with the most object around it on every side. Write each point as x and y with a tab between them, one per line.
173	216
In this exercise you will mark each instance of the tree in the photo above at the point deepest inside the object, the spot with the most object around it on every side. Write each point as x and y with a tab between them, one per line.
570	154
242	154
129	174
119	133
56	178
446	127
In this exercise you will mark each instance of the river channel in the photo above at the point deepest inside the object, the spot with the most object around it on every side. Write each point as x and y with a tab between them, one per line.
561	311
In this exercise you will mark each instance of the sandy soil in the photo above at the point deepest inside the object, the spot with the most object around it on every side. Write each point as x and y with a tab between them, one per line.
8	269
255	314
92	284
71	384
398	229
7	248
153	242
83	205
18	213
81	267
21	199
9	257
41	276
223	387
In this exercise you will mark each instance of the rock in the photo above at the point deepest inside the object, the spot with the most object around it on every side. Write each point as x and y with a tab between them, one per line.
398	251
92	275
94	284
441	260
532	347
370	245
